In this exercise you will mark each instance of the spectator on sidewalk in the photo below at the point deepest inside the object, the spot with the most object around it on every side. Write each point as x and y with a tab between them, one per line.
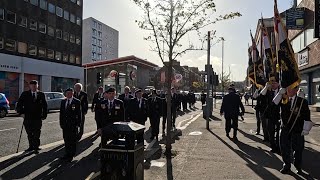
230	109
203	98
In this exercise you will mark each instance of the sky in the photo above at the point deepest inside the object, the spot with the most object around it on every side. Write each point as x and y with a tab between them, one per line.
121	15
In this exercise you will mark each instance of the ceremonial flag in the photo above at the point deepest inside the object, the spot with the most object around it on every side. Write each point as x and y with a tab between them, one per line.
269	62
258	65
250	69
289	72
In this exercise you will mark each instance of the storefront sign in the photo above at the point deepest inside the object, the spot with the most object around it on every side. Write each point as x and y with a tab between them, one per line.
9	67
303	58
295	18
317	19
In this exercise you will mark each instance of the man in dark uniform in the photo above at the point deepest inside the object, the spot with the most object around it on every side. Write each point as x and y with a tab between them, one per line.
164	113
138	108
184	101
82	96
98	96
174	104
154	111
230	109
126	97
203	98
70	121
32	105
294	113
272	113
260	108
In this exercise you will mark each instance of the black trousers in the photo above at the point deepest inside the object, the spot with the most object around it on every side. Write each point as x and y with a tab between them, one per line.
81	126
264	123
70	141
33	131
185	105
294	141
164	121
258	121
173	118
273	131
231	122
155	123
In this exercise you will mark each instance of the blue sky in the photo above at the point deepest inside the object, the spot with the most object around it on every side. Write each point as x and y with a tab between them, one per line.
121	15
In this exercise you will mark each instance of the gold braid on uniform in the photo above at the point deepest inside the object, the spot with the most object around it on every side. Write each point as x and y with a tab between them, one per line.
285	99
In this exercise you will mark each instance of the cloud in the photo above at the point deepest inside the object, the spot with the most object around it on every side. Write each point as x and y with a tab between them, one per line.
201	61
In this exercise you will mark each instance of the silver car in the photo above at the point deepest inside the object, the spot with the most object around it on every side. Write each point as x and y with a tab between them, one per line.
54	100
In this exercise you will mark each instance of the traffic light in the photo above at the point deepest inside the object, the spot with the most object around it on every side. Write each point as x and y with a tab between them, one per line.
99	78
215	80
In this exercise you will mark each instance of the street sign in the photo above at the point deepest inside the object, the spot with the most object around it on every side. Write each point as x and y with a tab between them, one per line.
317	19
295	18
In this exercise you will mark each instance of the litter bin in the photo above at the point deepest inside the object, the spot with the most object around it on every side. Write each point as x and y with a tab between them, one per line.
121	152
204	108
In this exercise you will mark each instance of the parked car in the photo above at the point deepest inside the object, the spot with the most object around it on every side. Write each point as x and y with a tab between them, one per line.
54	100
4	105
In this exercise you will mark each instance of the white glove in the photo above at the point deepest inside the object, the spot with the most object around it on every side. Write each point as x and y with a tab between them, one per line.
304	133
256	94
276	100
264	90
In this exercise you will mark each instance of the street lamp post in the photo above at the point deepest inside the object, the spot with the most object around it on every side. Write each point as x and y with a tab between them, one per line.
222	59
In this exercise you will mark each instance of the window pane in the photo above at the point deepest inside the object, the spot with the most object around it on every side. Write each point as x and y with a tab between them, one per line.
1	42
43	4
42	28
50	31
78	40
33	50
58	56
11	17
59	11
72	18
99	56
1	14
66	36
78	60
59	33
42	52
100	26
65	57
100	42
52	8
50	54
79	2
72	58
66	15
94	40
72	38
34	2
78	21
94	24
93	55
22	47
100	34
22	21
74	1
94	48
33	24
10	45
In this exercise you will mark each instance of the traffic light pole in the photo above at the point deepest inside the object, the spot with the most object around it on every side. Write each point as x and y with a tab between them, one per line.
208	84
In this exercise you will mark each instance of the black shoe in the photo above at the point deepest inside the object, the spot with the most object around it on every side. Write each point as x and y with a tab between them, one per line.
258	132
299	171
37	149
265	140
273	150
64	157
235	139
36	152
29	149
228	135
285	170
69	159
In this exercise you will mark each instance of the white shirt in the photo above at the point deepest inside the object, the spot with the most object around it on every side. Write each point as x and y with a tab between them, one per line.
140	102
34	93
109	103
68	102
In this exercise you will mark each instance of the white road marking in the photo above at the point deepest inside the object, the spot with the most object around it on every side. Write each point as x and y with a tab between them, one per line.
44	147
52	122
11	119
7	129
155	163
192	120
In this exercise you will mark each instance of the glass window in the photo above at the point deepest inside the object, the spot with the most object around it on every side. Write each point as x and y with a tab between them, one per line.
65	57
1	42
50	54
42	52
94	40
95	24
1	14
58	56
22	48
43	4
94	32
78	40
10	45
50	31
99	56
94	47
309	38
34	2
72	58
66	36
93	55
52	8
78	21
78	60
72	38
11	17
72	18
22	21
100	34
99	42
59	11
79	2
99	26
99	49
59	33
66	15
33	25
58	95
33	50
42	28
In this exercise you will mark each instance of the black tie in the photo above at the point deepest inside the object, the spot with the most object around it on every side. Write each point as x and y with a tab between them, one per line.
68	104
34	96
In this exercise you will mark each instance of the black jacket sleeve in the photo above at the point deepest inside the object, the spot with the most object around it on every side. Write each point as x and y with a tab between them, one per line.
44	106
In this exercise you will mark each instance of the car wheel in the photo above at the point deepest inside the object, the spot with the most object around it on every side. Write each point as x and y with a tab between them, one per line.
3	113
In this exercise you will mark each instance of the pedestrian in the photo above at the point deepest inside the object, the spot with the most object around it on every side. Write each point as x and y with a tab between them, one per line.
125	98
174	104
154	111
184	101
246	98
98	96
70	121
203	98
82	96
261	110
138	108
240	114
230	109
294	114
32	105
133	91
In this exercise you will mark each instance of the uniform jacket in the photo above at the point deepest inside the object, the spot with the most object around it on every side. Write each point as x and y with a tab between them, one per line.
155	107
96	99
303	116
32	109
71	116
203	98
231	104
113	114
84	101
136	114
272	110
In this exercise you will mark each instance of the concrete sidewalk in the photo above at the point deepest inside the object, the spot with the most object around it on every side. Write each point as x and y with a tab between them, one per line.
210	155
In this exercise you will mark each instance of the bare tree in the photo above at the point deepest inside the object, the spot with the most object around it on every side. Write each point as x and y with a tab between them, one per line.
169	22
